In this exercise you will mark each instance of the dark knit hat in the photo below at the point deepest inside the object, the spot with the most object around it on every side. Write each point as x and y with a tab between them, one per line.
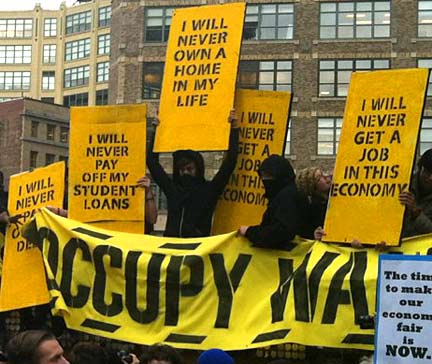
215	356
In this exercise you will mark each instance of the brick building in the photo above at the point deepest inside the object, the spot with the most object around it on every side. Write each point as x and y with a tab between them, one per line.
309	47
58	56
32	134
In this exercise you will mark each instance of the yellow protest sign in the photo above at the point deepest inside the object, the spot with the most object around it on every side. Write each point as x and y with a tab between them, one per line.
23	277
263	117
107	157
203	293
375	157
199	77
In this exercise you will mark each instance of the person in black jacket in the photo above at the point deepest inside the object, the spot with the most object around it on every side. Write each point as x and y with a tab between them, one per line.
191	198
286	212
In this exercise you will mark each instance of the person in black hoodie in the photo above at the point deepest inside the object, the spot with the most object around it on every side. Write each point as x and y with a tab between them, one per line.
286	212
191	198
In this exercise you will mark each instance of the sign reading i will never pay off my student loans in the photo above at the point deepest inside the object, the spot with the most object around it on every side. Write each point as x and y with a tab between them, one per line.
263	117
107	157
23	277
199	77
375	157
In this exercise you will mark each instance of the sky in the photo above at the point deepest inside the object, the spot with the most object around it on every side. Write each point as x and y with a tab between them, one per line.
30	4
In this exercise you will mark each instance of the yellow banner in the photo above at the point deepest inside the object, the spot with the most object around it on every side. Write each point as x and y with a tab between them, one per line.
199	77
107	157
375	156
209	292
23	278
263	117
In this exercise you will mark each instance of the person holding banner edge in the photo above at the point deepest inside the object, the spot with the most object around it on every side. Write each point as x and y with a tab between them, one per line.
191	198
286	213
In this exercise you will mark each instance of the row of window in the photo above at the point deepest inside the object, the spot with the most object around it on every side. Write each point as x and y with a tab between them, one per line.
51	131
75	23
22	54
329	129
77	76
334	75
81	99
49	159
337	20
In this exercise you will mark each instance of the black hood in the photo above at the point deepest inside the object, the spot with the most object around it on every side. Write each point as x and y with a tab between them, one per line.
191	155
279	167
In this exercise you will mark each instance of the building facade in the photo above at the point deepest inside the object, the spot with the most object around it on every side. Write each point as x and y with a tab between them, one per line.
308	47
32	134
58	56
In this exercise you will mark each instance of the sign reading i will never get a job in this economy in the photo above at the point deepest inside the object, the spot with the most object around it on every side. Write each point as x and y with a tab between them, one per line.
23	281
404	298
263	117
375	156
199	77
107	157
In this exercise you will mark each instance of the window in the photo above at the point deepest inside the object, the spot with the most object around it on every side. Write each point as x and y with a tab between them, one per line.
102	72
34	129
157	24
152	80
328	135
64	134
63	158
15	54
49	158
50	27
76	76
49	53
77	49
16	28
105	16
102	97
33	159
76	100
265	75
104	44
334	76
48	100
426	63
50	132
355	19
14	80
48	80
425	18
78	22
269	21
288	140
425	135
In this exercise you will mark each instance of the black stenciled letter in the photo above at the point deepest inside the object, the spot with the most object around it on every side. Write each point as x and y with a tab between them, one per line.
279	297
152	289
69	252
174	289
227	284
336	295
358	288
99	303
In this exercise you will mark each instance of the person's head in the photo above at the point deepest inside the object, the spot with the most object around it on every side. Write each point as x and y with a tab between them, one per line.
35	347
188	168
313	181
88	353
276	172
161	354
215	356
425	170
